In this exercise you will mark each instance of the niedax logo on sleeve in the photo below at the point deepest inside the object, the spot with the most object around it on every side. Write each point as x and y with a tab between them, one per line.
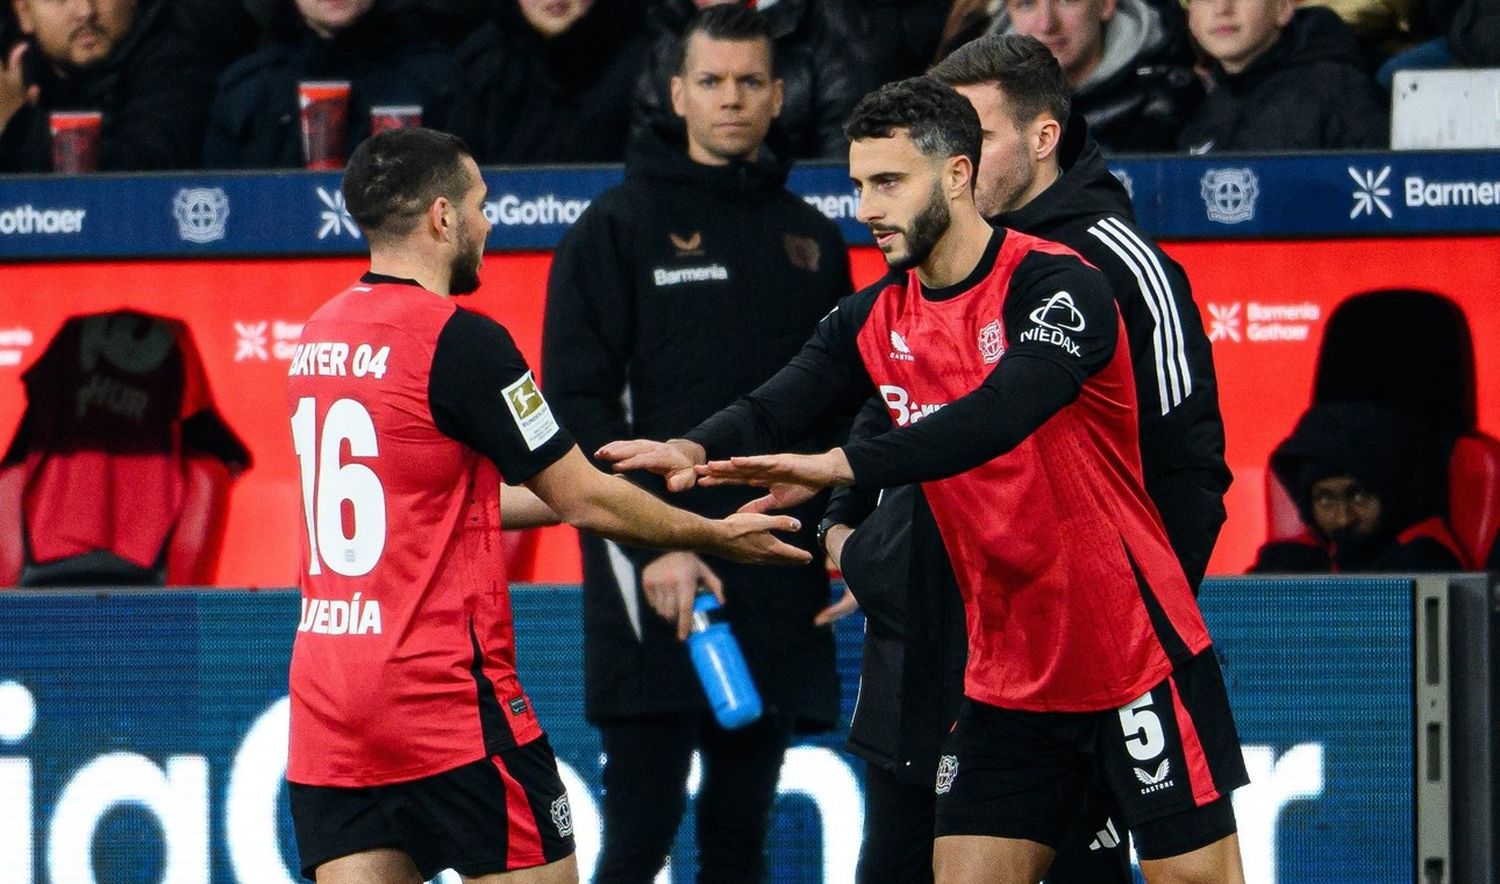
1054	319
532	416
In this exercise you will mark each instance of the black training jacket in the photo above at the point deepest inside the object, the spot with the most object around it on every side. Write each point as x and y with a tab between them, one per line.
675	293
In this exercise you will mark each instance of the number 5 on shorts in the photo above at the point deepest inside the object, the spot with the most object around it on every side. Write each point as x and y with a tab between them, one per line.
1143	734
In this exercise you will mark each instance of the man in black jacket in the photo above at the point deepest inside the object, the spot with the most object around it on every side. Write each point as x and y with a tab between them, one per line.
1369	483
1284	79
1042	178
686	287
119	57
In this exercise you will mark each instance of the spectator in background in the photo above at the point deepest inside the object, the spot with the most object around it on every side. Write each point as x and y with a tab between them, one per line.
550	81
813	58
686	287
119	57
1283	79
1127	62
1368	482
379	47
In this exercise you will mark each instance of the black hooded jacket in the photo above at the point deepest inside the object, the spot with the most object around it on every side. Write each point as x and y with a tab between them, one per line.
153	90
813	58
916	638
1396	459
255	122
1307	92
688	286
527	99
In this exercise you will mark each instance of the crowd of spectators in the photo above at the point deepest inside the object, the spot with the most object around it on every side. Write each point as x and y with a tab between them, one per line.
214	83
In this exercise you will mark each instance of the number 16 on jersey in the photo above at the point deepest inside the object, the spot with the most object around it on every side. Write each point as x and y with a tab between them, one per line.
327	484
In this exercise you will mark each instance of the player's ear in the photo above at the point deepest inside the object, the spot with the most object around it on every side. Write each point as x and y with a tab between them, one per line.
958	172
441	218
1046	134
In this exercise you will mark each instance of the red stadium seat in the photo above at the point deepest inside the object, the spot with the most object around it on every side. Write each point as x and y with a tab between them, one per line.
12	485
193	554
1474	496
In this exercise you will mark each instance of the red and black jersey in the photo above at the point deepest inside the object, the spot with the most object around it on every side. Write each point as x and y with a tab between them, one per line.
407	412
1015	407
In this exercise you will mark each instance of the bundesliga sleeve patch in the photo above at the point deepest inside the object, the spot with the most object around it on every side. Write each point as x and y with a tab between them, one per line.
532	415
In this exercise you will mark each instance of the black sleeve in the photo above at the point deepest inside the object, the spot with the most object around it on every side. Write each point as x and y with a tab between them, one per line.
826	377
482	394
848	505
588	331
1061	325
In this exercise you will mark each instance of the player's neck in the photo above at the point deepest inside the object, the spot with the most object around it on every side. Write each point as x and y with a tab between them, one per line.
403	265
959	251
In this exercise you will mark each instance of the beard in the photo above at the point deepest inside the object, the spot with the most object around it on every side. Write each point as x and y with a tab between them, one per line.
922	234
463	273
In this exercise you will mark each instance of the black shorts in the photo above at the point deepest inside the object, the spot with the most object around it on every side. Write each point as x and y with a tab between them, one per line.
1169	759
498	814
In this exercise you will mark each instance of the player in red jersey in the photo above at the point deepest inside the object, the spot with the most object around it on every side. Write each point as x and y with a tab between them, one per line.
1000	358
413	747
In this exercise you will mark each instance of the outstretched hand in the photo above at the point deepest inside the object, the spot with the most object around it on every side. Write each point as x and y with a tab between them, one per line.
790	479
747	538
674	459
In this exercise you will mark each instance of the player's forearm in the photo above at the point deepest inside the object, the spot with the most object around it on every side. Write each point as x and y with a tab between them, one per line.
612	507
519	508
616	509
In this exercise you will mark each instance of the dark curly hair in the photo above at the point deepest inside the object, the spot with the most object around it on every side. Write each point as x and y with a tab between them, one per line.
1026	72
938	120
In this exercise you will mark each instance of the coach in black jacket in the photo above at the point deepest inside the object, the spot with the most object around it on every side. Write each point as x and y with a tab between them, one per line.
681	290
1042	178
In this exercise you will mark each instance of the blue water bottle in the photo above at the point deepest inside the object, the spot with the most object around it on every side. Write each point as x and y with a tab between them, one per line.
721	668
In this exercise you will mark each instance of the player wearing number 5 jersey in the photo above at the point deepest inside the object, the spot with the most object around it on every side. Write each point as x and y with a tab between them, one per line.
1000	359
413	746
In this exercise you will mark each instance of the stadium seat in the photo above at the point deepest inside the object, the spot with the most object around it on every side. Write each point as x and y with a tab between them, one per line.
193	551
1474	497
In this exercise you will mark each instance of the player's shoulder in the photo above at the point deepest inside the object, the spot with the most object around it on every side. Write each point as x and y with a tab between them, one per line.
466	328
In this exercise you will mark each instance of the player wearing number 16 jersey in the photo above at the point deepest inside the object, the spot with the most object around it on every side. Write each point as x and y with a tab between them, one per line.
413	746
